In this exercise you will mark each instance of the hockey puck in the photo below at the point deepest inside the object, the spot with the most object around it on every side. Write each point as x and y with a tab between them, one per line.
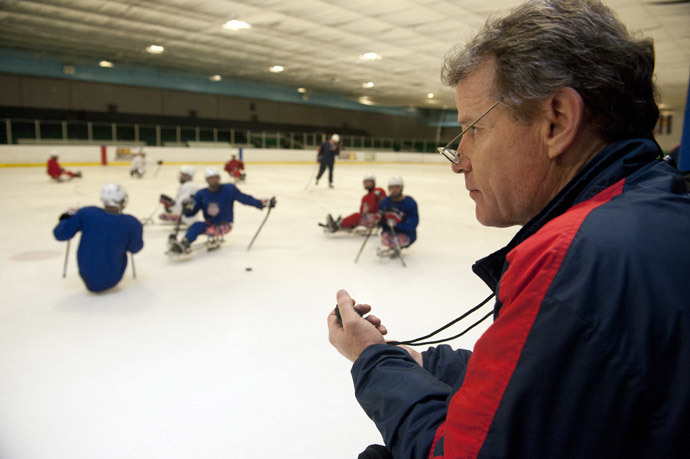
248	268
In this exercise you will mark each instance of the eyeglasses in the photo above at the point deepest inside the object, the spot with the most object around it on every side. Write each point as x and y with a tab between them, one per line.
452	155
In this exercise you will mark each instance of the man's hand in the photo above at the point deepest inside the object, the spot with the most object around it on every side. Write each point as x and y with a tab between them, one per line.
356	333
188	204
68	213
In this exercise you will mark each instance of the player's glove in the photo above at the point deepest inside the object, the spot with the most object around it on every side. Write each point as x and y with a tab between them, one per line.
159	162
167	202
188	204
68	213
270	203
392	218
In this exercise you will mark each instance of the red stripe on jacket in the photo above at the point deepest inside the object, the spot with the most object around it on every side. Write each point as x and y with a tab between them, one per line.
522	290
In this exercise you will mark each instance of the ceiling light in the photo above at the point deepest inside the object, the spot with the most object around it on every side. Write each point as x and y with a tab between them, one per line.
430	95
236	25
370	57
215	78
276	68
106	64
369	84
155	49
301	90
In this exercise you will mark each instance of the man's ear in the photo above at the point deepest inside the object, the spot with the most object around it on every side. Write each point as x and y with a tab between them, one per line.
563	113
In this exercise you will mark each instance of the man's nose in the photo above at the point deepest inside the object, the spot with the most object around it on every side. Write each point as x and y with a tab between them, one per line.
463	164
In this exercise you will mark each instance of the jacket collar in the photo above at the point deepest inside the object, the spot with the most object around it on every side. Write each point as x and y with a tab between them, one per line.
614	162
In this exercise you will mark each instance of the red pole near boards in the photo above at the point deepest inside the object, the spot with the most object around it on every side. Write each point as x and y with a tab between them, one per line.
104	157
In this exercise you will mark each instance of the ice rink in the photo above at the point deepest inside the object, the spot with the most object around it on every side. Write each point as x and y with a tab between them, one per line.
201	358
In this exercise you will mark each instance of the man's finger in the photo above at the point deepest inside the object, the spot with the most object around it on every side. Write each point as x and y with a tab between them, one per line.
346	305
362	309
375	321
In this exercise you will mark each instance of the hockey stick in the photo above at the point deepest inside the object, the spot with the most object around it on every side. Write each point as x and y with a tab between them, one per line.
313	173
397	245
262	224
134	270
364	243
149	219
158	168
64	268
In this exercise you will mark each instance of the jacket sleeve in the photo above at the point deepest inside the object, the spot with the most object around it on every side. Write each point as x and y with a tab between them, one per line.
446	364
248	200
136	242
405	401
198	205
68	227
411	219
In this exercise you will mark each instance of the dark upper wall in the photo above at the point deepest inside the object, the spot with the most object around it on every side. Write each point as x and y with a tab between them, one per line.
59	94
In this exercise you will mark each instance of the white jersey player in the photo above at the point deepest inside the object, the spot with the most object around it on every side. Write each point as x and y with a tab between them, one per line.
187	189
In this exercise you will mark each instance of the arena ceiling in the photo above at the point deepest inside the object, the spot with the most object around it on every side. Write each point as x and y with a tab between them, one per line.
319	43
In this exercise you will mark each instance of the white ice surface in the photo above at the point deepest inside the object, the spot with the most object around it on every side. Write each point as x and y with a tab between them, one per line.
201	358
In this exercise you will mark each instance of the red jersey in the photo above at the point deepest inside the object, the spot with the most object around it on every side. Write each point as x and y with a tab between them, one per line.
371	200
54	169
234	164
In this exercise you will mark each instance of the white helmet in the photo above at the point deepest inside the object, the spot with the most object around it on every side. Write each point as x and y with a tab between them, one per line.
335	138
188	170
369	177
113	195
395	181
53	153
212	172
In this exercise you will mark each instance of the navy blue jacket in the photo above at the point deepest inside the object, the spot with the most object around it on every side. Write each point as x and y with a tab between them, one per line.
328	151
408	207
589	352
105	240
217	206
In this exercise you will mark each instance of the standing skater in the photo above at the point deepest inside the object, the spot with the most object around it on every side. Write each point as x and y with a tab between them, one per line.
216	202
399	218
56	171
106	236
327	153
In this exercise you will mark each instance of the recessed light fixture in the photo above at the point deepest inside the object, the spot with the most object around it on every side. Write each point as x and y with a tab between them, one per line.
301	90
215	78
106	64
368	84
370	57
236	25
430	95
276	69
155	49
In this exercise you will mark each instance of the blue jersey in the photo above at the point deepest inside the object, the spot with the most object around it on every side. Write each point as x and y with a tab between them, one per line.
408	207
105	240
217	205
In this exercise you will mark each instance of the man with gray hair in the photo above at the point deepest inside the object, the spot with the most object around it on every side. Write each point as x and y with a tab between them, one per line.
589	352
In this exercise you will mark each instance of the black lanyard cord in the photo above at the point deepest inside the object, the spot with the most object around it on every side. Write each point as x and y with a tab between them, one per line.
420	341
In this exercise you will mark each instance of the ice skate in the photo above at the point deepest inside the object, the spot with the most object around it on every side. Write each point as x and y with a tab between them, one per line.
176	248
214	243
386	252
